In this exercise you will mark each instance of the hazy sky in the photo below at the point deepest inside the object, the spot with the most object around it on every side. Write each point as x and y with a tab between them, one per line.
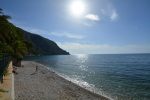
86	26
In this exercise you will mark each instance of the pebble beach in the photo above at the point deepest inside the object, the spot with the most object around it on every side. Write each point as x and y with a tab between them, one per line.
44	84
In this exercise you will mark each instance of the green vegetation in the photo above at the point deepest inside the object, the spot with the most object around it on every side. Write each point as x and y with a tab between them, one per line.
6	72
18	43
11	40
43	46
1	56
2	90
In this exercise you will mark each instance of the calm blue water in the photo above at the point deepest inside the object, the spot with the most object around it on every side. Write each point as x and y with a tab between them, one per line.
119	76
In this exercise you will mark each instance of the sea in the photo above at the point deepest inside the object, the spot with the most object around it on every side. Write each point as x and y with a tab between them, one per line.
116	76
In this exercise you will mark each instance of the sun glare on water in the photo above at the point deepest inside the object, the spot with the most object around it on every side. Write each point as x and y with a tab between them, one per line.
77	8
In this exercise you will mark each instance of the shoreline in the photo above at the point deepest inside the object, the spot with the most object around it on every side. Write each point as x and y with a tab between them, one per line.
65	77
50	84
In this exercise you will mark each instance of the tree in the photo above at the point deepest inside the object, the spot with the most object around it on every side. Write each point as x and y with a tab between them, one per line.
11	40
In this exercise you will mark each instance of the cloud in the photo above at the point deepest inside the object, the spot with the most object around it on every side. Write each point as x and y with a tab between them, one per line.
78	48
92	17
68	35
114	15
110	12
107	10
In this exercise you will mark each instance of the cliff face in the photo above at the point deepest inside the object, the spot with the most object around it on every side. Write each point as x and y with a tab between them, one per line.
43	46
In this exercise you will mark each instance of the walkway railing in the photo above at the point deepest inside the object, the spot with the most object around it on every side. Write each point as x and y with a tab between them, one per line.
4	61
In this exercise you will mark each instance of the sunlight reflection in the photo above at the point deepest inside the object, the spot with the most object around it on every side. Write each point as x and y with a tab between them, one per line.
82	58
83	67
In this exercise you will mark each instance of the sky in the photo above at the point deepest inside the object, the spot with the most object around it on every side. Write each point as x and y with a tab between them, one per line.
86	26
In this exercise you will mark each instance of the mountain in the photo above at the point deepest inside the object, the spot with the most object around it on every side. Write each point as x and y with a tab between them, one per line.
42	46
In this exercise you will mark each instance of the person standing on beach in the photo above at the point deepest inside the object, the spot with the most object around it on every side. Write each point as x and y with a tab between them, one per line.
36	68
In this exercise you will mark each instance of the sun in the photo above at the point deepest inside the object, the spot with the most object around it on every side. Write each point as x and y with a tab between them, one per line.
77	8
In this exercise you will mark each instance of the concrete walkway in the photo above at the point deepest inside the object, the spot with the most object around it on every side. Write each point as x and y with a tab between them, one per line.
7	87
